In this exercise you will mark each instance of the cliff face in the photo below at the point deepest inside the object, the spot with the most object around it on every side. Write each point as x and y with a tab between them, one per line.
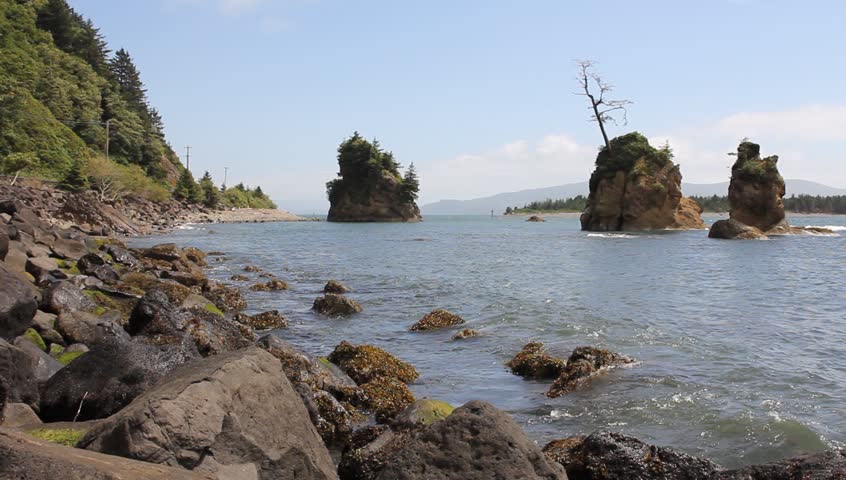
756	189
381	202
637	187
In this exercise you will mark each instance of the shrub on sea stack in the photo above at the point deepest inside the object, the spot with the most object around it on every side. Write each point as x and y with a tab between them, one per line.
436	319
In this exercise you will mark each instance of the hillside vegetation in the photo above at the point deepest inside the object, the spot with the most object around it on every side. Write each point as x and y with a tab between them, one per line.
62	90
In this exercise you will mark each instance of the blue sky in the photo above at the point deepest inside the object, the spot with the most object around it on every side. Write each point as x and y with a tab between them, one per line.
478	93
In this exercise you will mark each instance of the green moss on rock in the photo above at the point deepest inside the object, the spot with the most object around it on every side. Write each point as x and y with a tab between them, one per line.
35	338
210	307
68	437
65	358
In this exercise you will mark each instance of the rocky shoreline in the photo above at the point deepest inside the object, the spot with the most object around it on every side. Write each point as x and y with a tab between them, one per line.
131	363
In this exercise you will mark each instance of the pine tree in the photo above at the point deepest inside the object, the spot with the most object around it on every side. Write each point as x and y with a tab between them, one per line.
128	79
75	180
210	193
410	185
187	189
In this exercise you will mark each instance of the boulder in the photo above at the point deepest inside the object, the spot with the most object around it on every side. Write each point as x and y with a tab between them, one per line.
121	255
436	319
17	304
756	189
829	465
168	252
64	296
476	442
44	269
111	375
43	365
385	398
17	369
606	455
225	298
16	257
4	243
239	278
334	286
465	334
226	412
23	457
17	415
87	328
69	249
156	315
334	305
535	218
271	286
585	363
637	187
300	367
734	230
533	362
95	266
365	363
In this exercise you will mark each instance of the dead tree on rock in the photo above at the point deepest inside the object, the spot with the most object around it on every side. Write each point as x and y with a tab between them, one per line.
595	89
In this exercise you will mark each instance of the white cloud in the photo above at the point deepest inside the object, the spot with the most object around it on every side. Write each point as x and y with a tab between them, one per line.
517	165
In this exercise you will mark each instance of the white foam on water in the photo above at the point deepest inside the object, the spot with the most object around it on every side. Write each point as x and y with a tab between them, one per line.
611	235
833	228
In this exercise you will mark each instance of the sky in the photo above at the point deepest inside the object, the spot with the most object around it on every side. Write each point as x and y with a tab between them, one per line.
479	94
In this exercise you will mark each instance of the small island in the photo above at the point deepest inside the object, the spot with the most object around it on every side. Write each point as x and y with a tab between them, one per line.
638	187
369	187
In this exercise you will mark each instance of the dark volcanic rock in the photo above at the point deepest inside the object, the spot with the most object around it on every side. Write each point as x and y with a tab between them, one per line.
336	305
23	457
4	243
476	442
43	365
87	328
733	230
585	363
219	414
17	305
110	376
637	187
95	266
17	369
611	456
64	296
536	219
436	319
830	465
69	249
534	362
213	333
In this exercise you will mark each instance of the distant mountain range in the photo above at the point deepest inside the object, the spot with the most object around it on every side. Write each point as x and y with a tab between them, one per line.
498	202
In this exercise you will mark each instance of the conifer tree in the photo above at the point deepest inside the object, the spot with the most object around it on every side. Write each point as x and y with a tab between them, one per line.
128	79
410	185
210	193
75	180
187	189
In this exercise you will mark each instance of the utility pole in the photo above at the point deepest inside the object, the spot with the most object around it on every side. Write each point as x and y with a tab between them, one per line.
188	158
225	176
106	149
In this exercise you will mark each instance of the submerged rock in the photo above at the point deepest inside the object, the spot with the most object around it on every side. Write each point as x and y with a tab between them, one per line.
365	363
733	230
583	364
533	362
465	334
637	187
436	319
536	219
335	305
271	286
334	286
263	321
226	413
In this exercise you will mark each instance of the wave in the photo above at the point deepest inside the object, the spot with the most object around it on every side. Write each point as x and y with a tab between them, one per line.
611	235
834	228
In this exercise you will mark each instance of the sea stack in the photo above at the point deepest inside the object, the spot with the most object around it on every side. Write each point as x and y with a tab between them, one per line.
369	187
636	186
755	197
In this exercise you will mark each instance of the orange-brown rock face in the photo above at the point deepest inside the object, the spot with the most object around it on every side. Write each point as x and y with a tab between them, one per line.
638	188
756	189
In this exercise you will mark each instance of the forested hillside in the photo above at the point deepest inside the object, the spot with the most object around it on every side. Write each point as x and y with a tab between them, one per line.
59	86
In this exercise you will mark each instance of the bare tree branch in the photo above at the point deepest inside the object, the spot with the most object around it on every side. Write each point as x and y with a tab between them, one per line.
588	78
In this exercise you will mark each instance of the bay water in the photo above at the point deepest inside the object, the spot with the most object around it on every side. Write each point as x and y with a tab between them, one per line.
741	345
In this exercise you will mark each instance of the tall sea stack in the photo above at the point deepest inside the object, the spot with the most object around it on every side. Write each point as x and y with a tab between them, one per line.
637	187
369	187
755	197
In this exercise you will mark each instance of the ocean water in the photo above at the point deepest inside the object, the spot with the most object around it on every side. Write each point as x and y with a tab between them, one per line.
741	345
